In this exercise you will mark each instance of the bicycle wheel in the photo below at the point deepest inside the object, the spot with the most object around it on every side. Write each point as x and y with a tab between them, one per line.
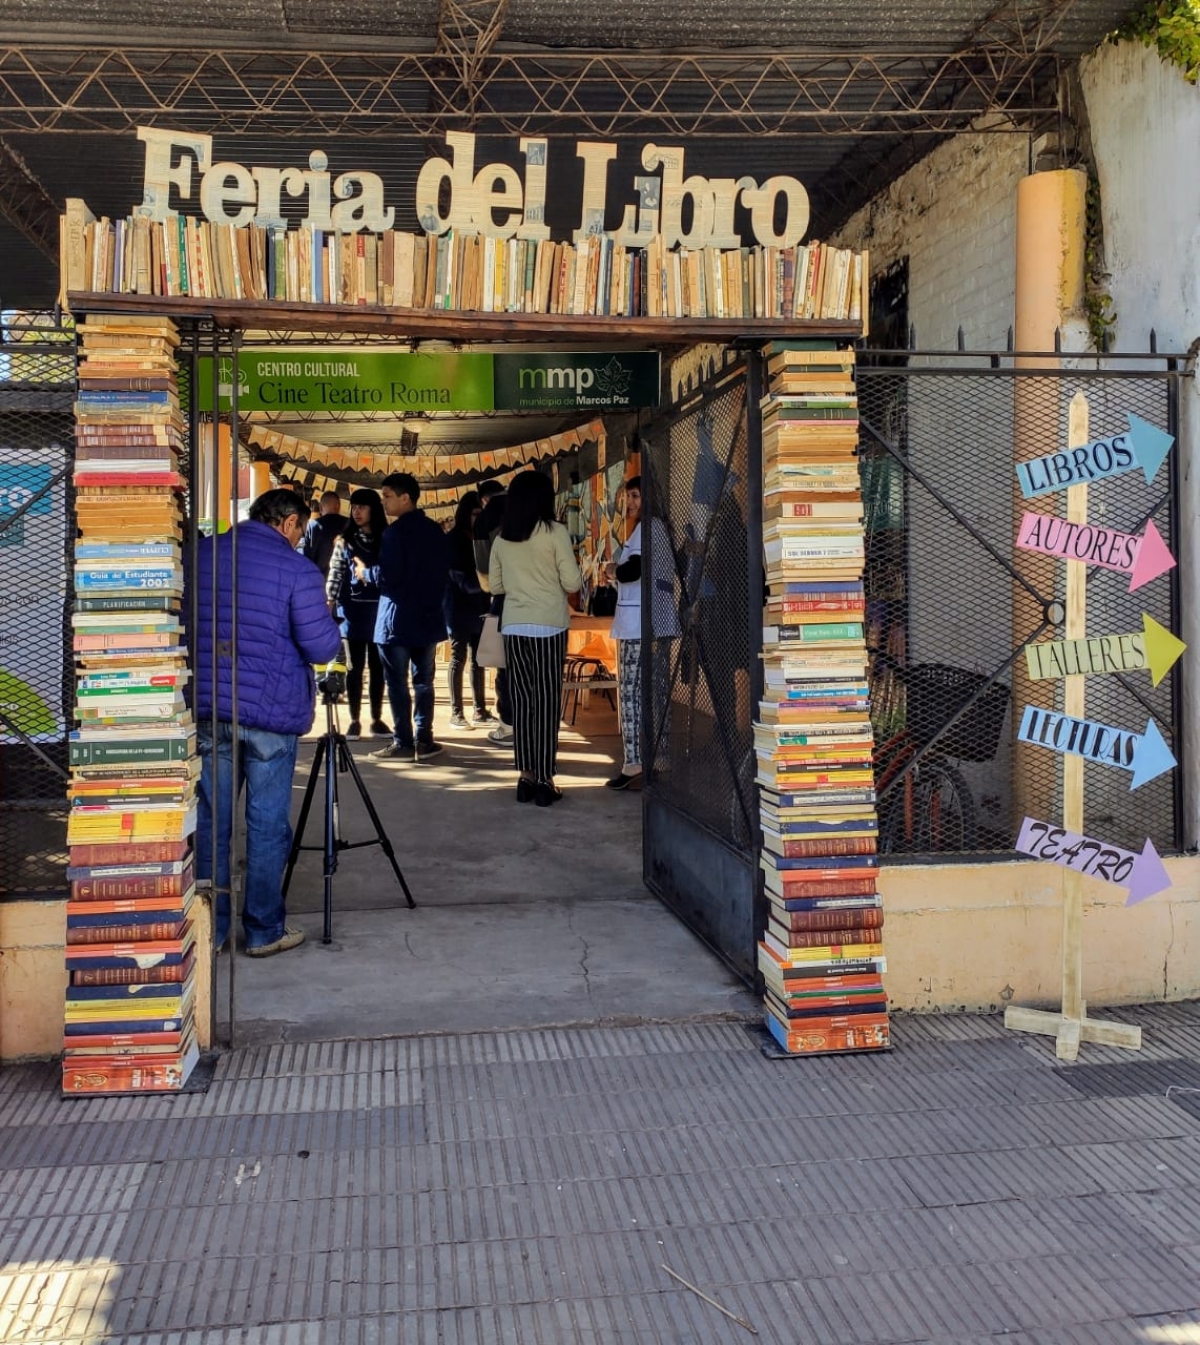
944	811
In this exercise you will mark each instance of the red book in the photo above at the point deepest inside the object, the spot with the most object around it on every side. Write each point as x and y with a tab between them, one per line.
137	933
825	921
132	893
90	856
828	845
159	975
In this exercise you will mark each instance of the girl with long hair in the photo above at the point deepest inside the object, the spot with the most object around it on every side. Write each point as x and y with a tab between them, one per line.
355	602
533	565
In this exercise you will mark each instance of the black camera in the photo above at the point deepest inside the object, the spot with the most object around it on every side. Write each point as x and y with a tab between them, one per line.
331	676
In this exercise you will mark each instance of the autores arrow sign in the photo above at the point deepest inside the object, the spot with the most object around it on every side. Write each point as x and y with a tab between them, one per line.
1145	754
1153	647
1142	445
1143	874
1142	558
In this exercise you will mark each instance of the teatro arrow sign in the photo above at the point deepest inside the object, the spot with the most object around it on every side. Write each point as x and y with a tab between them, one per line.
1142	558
1153	647
1145	754
1142	445
1143	874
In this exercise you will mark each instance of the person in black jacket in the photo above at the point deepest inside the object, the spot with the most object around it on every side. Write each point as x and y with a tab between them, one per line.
322	532
356	604
413	568
466	605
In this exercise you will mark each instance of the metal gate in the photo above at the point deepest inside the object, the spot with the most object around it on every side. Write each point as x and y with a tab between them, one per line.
701	469
37	538
952	604
951	607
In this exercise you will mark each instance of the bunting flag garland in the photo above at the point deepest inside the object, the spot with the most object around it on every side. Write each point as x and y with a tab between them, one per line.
428	467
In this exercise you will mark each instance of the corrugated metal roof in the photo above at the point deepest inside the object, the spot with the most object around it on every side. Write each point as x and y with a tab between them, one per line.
857	25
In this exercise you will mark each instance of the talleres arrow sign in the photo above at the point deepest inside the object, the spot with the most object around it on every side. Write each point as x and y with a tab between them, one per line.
1142	446
1142	558
1153	647
1143	874
1146	755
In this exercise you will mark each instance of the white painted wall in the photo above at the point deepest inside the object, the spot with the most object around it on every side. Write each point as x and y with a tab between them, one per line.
1145	121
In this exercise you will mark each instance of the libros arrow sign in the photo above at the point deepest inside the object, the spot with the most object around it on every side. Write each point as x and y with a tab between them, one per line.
1144	558
1143	445
1146	755
1143	874
1152	647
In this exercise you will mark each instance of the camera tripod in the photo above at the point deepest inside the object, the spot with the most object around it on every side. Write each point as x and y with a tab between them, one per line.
334	755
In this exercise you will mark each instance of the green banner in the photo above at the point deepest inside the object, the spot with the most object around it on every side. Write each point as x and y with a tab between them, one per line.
346	379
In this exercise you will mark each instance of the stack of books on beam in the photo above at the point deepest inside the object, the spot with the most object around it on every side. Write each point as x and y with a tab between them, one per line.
459	271
821	955
129	1009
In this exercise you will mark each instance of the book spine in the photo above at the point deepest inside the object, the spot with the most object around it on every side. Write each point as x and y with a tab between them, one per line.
132	933
109	975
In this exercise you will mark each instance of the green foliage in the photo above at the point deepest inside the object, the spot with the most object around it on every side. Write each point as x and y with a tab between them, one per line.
1097	300
1172	27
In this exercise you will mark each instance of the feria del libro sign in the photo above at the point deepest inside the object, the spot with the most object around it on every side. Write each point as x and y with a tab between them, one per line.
494	199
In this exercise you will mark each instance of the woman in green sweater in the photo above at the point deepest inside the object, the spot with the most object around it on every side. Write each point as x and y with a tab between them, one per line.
533	565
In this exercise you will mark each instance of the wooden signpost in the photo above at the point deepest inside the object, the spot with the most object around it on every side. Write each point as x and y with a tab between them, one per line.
1074	659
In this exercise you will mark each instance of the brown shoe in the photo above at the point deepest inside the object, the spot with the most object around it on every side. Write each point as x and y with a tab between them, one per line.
290	938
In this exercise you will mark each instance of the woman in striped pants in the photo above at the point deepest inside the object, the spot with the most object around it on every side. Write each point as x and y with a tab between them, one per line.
533	565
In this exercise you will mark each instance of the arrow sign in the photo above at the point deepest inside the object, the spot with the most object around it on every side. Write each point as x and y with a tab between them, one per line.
1146	755
1142	445
1143	874
1152	647
1144	558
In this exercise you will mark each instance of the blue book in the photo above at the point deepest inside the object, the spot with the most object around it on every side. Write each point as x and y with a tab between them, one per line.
828	903
123	1027
821	861
84	994
124	396
116	552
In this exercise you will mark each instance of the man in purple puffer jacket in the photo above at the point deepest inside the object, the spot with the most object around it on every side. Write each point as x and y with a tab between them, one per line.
284	627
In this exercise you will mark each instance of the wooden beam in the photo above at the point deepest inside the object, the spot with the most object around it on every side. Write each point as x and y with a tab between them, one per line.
418	324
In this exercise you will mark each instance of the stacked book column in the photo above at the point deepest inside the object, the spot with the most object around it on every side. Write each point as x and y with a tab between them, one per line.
129	1005
821	955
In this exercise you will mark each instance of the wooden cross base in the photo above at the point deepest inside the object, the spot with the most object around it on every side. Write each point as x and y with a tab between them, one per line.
1069	1032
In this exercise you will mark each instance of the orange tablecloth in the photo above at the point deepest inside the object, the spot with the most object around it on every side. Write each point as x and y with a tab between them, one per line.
592	630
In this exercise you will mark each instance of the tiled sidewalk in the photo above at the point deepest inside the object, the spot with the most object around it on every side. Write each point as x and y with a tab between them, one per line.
529	1187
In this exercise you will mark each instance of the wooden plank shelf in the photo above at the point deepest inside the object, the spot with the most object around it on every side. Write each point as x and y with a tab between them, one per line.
457	325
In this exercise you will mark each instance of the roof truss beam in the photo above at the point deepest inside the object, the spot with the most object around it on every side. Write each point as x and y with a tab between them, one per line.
108	90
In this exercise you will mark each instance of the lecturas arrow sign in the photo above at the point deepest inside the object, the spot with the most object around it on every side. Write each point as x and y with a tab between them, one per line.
1145	754
1152	647
1143	874
1142	445
1143	558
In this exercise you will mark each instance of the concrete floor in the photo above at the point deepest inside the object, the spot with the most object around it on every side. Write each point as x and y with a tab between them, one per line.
526	917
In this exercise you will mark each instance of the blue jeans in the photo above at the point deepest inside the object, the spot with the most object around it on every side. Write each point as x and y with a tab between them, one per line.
266	763
397	660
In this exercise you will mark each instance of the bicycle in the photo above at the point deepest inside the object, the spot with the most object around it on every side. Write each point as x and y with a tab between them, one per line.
925	804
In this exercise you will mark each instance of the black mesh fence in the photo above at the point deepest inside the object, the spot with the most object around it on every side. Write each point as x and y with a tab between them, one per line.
696	485
37	532
952	601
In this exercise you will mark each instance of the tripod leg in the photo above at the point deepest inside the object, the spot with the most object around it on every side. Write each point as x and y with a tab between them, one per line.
309	790
384	844
331	836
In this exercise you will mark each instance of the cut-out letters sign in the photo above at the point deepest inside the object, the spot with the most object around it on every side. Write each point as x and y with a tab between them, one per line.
1145	754
1153	647
1142	558
1143	874
1142	445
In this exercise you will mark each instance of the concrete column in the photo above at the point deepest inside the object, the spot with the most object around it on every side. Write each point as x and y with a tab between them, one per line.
1051	229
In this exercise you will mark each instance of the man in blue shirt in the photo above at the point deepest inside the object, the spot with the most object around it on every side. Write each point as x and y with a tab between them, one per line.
412	573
